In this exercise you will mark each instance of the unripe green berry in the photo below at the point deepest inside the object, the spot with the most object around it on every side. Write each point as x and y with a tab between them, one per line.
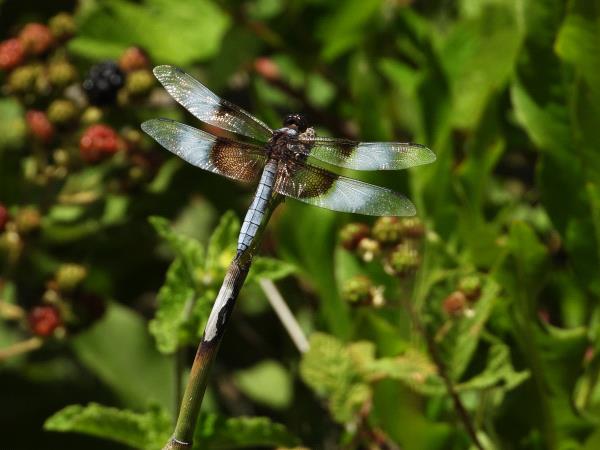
412	227
62	112
62	26
352	233
403	260
23	79
69	276
91	115
470	286
357	289
387	230
139	82
61	73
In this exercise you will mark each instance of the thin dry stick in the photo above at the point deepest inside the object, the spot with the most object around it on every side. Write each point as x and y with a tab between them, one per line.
441	366
286	317
21	347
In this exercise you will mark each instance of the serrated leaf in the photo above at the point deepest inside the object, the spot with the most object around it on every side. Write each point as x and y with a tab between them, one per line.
146	431
222	245
176	300
326	364
270	268
330	368
268	382
240	432
498	373
170	34
412	368
188	249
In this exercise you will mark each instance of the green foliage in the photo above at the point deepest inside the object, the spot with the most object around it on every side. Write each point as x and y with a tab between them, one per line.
146	431
241	432
507	94
150	430
194	277
268	383
170	34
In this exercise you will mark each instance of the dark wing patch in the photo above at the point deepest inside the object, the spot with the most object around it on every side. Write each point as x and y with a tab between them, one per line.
230	158
367	155
325	189
209	107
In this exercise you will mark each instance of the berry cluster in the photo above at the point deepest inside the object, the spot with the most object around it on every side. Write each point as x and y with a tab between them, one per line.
392	241
64	307
73	113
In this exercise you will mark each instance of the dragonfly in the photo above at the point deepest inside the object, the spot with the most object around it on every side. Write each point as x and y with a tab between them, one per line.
286	161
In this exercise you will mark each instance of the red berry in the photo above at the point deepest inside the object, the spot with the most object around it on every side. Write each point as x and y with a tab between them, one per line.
43	320
39	125
455	303
11	54
267	68
99	142
36	38
3	216
134	58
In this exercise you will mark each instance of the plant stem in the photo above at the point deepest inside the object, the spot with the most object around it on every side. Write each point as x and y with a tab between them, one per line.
433	351
213	333
284	314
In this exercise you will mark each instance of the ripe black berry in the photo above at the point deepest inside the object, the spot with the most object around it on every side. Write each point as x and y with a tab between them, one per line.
103	82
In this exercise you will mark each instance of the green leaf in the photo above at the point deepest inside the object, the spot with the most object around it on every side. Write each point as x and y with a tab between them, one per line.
268	382
498	373
222	245
333	371
175	299
270	268
181	33
119	351
240	432
147	431
479	57
413	368
342	29
578	43
186	248
12	123
468	330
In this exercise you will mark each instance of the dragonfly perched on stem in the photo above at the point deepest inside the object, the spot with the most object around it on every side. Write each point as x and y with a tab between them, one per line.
284	166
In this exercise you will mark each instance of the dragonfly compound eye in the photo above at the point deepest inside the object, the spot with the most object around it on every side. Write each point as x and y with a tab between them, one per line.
297	120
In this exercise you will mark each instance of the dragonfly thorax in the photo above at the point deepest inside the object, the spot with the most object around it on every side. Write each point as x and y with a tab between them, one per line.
281	141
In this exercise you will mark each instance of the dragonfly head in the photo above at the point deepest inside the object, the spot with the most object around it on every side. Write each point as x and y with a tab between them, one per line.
296	121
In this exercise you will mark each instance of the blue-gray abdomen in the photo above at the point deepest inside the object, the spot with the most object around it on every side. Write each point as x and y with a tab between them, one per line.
257	209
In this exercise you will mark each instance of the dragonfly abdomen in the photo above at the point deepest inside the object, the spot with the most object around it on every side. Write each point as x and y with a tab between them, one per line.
257	209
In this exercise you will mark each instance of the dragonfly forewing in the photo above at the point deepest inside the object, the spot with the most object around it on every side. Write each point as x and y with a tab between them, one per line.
237	160
209	107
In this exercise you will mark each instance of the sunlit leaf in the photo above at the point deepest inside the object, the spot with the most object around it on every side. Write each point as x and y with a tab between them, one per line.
146	431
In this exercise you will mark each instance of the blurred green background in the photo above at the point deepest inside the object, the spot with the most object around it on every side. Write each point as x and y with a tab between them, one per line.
492	290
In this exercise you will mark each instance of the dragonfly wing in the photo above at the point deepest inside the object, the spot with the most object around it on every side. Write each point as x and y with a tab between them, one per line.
209	107
367	155
227	157
325	189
